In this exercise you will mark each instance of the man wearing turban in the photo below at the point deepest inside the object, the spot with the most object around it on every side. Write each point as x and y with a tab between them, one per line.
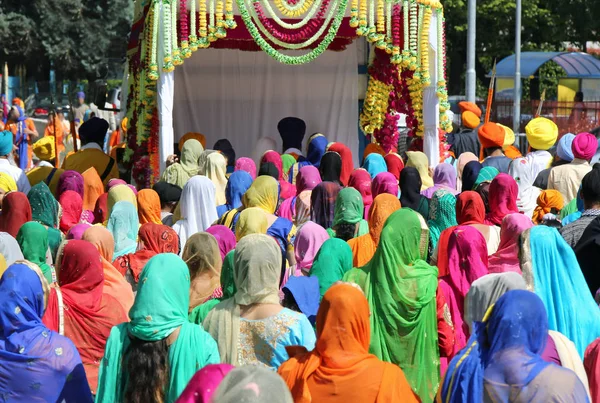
491	137
292	131
567	178
81	108
563	156
44	170
466	139
541	135
6	149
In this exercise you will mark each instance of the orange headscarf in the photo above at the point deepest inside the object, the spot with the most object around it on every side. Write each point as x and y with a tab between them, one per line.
340	366
92	188
192	135
546	201
114	282
373	148
364	246
149	207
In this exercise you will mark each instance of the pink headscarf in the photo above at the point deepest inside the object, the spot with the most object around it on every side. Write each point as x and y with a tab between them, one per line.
307	179
287	189
76	231
361	181
72	208
502	199
225	238
507	257
204	383
584	146
115	182
246	164
384	182
309	239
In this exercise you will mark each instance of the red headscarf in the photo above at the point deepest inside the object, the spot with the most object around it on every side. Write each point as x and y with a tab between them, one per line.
287	189
347	160
361	181
155	239
72	207
470	208
16	211
503	199
89	314
101	209
395	165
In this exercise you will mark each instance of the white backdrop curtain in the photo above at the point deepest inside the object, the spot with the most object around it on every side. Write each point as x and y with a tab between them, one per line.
242	96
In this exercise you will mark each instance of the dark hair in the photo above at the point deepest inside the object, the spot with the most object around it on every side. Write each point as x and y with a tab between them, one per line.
345	231
554	223
289	301
590	186
488	151
146	373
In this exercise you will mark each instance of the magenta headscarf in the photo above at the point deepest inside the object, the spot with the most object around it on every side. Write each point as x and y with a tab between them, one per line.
502	199
70	180
286	189
246	164
308	241
384	182
507	257
584	146
225	238
115	182
307	179
444	177
204	383
361	181
76	231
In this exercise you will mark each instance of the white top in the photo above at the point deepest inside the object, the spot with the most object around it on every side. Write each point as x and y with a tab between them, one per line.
17	174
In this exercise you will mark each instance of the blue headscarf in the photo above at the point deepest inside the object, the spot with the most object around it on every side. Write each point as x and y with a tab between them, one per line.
21	139
36	362
557	278
238	183
306	293
316	148
123	224
375	164
517	321
6	142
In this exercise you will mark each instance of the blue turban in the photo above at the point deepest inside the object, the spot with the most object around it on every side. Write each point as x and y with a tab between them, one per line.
6	142
563	149
81	94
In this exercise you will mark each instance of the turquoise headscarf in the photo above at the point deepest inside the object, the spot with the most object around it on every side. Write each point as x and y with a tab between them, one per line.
123	224
487	174
46	210
551	269
160	307
442	214
375	164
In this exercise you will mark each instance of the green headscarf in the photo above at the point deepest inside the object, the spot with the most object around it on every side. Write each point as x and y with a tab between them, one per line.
333	260
33	240
349	209
46	210
442	214
487	174
160	307
288	160
188	166
401	289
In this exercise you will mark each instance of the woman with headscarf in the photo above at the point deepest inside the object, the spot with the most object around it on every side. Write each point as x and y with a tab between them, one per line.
16	211
502	199
31	354
46	210
347	160
410	192
123	224
361	181
470	174
461	163
336	370
7	184
288	160
322	203
79	308
374	164
348	221
203	258
153	239
252	384
331	167
309	239
198	208
548	202
159	328
216	171
226	149
77	230
286	188
33	242
442	215
92	188
364	247
225	238
401	289
317	144
252	327
238	183
247	165
332	262
149	206
189	165
308	178
384	182
503	360
204	383
10	249
120	193
418	160
101	209
71	210
301	294
70	180
444	177
522	171
395	165
486	175
252	220
470	210
115	284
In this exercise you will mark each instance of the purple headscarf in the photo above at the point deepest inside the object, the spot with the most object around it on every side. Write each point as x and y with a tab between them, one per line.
225	238
307	179
444	177
204	383
77	230
70	180
115	182
384	182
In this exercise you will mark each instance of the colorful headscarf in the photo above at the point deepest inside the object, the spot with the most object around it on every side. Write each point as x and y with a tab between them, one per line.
288	161
252	220
333	260
584	146
487	174
16	211
546	201
287	189
506	258
375	164
121	193
470	208
10	249
317	144
77	230
331	167
225	238
305	291
7	183
419	160
309	239
564	147
239	182
70	180
263	193
149	209
216	171
361	181
33	242
395	165
347	160
92	188
384	182
442	213
470	174
247	165
72	208
123	224
204	383
322	203
444	177
462	162
189	165
349	209
541	133
44	207
502	199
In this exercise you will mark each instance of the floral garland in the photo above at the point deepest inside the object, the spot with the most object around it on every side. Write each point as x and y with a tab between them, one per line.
294	10
184	33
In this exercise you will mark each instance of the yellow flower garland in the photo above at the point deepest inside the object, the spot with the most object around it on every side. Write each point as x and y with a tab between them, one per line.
375	106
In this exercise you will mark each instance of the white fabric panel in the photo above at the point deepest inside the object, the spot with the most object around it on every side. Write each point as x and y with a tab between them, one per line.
431	118
166	88
242	96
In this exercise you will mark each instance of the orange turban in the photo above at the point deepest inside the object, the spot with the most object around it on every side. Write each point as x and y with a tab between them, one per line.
373	148
546	201
469	106
192	135
491	135
470	120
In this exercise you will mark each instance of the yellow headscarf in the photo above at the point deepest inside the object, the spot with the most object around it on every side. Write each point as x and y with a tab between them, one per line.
7	183
3	265
121	193
251	221
44	148
419	160
216	170
263	193
541	133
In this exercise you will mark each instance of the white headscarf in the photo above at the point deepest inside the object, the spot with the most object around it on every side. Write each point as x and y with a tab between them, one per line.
198	208
9	248
522	171
216	168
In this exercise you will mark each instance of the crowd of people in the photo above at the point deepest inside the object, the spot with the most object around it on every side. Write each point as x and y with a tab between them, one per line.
295	276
